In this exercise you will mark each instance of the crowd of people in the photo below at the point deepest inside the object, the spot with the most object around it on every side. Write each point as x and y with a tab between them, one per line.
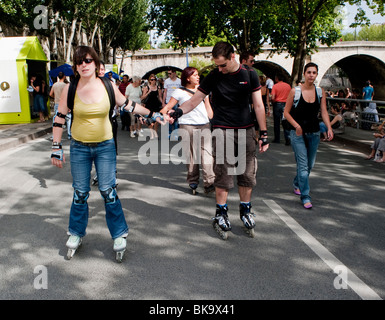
227	110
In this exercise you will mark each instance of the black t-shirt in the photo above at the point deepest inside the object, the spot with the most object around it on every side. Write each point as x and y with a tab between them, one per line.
230	96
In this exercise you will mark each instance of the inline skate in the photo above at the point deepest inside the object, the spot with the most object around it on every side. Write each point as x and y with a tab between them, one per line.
120	247
73	243
221	223
193	187
247	218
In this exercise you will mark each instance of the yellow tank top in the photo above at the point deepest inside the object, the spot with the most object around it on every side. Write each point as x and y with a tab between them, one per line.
91	122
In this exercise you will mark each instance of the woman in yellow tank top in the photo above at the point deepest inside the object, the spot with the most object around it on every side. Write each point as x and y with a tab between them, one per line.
92	142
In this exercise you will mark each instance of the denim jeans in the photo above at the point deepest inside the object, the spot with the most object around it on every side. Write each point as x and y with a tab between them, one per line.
104	157
277	117
305	151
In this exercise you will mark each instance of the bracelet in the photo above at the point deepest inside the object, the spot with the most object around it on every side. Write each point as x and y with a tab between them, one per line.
56	145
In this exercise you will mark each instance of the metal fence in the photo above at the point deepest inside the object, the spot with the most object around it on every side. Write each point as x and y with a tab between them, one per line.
361	119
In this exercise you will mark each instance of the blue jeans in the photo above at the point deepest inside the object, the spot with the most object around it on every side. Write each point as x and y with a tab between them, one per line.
278	108
104	157
305	151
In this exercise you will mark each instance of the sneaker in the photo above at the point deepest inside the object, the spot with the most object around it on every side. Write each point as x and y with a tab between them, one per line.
132	134
297	191
120	244
307	205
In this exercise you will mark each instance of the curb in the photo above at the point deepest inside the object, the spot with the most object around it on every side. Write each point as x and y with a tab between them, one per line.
14	142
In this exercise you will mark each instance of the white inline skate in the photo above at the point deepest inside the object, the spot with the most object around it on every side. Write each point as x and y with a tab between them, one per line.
247	218
73	244
221	223
120	245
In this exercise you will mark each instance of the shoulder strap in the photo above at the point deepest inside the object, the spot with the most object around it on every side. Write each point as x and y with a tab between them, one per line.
297	96
319	94
111	94
188	90
71	93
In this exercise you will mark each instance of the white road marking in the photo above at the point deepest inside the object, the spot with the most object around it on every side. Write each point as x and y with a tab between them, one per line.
355	283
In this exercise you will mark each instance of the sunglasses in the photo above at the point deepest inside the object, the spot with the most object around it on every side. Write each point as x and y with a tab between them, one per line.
87	61
152	79
222	65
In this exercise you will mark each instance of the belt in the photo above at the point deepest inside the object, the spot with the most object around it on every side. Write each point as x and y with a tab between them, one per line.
88	144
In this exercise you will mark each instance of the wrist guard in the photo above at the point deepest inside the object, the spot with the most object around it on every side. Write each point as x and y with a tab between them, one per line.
156	115
263	137
58	154
176	114
131	109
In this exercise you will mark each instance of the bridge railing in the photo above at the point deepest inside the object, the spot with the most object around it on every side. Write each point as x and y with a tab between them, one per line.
360	118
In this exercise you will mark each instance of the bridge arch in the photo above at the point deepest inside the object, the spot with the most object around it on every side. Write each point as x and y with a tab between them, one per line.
160	69
270	69
362	67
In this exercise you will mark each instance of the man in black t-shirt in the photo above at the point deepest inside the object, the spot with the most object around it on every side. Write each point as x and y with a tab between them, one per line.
231	86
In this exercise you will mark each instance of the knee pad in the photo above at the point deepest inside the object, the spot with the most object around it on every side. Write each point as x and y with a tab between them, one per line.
109	195
80	197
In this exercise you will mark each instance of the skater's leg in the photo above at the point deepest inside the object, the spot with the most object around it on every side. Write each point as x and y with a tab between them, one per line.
81	164
221	195
105	163
245	193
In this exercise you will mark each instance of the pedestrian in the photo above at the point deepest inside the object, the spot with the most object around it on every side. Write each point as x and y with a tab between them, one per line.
195	130
134	93
92	142
152	93
55	94
38	85
279	95
305	129
368	92
231	85
247	58
170	84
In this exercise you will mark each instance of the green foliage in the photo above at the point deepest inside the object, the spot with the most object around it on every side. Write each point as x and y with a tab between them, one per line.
374	32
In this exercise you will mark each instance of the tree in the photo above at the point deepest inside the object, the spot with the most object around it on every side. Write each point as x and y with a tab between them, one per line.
243	23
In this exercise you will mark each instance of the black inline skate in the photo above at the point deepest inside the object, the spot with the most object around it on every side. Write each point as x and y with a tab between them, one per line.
247	218
221	223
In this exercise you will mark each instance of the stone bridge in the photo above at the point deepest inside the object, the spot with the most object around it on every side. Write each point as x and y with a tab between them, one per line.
359	60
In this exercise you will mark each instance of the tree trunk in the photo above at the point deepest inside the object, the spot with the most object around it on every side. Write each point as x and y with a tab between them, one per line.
93	35
70	39
299	58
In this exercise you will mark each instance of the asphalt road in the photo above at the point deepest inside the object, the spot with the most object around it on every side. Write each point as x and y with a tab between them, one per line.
336	251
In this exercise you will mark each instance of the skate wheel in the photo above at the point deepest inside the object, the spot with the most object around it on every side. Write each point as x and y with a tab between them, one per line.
222	234
251	233
70	253
119	256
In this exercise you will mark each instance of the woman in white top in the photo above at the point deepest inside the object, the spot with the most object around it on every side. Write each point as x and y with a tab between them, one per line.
195	131
134	93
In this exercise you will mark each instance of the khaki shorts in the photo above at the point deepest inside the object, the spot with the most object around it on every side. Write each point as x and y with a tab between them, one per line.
234	155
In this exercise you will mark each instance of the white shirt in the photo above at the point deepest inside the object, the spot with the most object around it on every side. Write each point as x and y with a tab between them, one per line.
198	116
134	93
171	86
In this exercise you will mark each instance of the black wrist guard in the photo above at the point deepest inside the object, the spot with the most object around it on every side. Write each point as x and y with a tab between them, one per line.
263	133
177	113
263	137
